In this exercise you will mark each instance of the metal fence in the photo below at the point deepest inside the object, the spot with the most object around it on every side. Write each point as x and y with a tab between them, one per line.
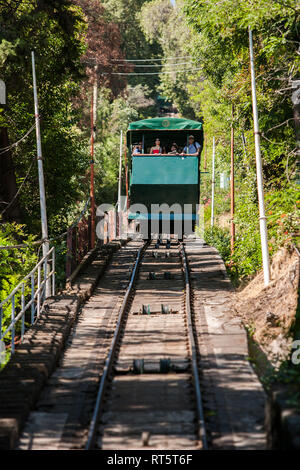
78	243
79	236
24	303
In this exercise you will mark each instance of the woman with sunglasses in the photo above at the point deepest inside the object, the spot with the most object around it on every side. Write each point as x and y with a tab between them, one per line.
157	148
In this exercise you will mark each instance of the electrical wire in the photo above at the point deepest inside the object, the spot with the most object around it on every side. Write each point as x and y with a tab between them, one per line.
6	149
19	190
150	60
154	65
141	65
150	73
39	242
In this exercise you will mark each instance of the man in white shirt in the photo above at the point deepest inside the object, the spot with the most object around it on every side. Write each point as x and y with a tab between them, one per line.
193	147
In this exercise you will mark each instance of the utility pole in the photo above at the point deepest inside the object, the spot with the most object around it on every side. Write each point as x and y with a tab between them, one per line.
41	173
119	185
126	178
93	135
296	109
120	171
244	148
260	189
213	185
232	227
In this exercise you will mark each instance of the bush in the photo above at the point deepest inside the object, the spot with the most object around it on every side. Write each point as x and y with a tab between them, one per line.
220	239
14	263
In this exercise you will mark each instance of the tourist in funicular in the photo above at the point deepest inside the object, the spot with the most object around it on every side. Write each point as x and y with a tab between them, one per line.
193	148
174	149
156	148
137	148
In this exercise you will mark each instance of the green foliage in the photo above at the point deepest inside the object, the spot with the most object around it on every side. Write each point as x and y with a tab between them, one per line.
165	23
247	251
214	34
114	116
220	44
63	34
54	30
125	13
219	238
14	263
283	215
60	263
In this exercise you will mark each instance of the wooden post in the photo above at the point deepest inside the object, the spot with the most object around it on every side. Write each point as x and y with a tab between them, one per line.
126	177
92	189
69	256
296	110
232	228
213	184
118	222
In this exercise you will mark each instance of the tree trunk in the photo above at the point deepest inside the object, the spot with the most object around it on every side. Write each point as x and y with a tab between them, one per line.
296	108
8	185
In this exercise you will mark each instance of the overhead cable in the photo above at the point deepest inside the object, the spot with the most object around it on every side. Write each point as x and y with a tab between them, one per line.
151	73
19	190
39	242
6	149
150	60
153	65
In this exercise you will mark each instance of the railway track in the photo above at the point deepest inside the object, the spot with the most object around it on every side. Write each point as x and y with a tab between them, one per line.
128	378
149	394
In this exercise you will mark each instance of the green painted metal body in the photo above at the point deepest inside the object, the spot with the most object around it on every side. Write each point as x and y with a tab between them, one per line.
170	179
164	169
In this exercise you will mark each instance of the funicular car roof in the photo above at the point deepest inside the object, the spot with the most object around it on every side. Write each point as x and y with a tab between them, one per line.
165	124
165	129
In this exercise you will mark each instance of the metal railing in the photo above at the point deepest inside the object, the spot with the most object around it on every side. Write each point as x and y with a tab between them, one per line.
33	287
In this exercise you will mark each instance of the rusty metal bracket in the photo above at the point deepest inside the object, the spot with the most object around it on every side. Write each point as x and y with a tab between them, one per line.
165	309
146	310
164	366
138	366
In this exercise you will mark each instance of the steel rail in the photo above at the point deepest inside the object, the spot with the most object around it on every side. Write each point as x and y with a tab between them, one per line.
193	352
110	357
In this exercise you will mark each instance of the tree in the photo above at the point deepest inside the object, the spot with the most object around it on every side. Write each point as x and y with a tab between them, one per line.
166	24
103	40
220	45
53	29
135	45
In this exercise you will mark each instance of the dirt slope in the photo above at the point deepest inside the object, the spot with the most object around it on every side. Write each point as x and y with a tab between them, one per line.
269	312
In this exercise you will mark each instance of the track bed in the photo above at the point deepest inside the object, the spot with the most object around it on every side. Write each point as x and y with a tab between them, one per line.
151	399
